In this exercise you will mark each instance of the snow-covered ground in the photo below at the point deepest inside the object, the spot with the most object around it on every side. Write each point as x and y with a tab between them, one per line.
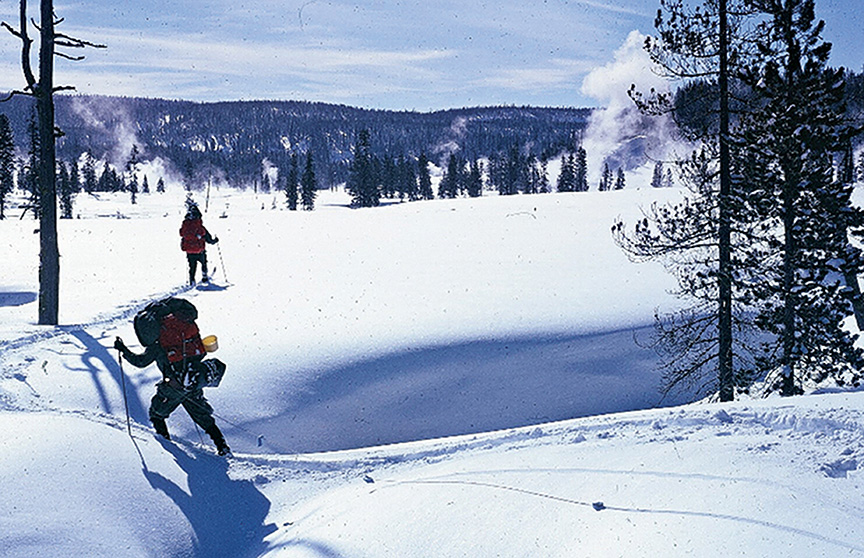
444	378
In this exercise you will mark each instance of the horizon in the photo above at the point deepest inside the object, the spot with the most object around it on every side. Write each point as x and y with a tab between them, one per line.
74	94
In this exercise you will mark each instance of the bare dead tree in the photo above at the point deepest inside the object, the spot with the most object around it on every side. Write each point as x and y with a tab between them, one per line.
42	88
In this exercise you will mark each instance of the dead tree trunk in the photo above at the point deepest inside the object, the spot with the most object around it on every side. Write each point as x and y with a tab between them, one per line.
49	253
43	90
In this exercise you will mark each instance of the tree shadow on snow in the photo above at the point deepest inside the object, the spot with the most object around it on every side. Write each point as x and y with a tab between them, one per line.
226	515
95	354
316	548
16	298
466	388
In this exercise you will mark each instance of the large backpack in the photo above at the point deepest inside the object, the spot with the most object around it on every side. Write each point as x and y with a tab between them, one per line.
170	323
192	236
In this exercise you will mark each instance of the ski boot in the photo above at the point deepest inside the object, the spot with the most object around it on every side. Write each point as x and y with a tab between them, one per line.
160	427
218	439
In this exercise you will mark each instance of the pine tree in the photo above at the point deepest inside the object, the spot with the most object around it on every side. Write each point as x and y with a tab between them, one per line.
567	176
189	203
605	179
388	178
363	183
695	238
105	183
160	185
517	171
88	173
133	189
544	187
619	180
452	179
474	180
791	143
188	174
145	185
657	178
65	190
407	187
74	178
291	184
424	180
308	184
7	162
532	184
580	173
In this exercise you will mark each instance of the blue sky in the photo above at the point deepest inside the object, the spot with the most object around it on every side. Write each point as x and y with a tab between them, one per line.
396	54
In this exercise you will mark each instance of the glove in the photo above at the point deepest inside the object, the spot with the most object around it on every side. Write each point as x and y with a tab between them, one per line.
119	345
215	239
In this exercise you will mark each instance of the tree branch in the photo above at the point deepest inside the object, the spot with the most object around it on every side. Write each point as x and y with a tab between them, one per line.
68	57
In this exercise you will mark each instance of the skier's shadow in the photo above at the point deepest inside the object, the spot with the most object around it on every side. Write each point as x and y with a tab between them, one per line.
227	515
210	287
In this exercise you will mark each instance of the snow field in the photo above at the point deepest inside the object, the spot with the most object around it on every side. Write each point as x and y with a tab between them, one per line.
401	381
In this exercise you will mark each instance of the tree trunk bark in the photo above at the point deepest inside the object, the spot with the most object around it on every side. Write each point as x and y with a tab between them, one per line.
49	253
726	377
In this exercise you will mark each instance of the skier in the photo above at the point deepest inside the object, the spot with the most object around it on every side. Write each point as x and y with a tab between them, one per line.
193	240
178	353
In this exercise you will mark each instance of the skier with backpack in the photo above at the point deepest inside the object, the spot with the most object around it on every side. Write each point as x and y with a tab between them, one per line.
171	339
194	239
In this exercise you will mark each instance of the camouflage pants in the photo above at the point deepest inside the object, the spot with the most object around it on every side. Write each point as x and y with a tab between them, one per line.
168	398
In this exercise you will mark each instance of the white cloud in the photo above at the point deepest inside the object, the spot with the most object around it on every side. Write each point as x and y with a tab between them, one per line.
557	73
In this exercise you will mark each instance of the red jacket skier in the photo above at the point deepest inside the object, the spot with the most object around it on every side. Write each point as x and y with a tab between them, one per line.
193	240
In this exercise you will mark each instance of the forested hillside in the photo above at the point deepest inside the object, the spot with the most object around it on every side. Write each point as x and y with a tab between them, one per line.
235	140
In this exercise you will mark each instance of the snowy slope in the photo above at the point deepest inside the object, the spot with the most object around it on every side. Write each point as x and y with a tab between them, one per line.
402	381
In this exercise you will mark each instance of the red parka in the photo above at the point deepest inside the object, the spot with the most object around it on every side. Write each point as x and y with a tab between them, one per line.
193	236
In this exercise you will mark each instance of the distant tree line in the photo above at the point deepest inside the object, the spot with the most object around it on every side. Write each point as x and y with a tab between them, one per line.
231	139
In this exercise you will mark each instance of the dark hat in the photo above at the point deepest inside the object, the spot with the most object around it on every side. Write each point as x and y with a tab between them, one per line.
193	212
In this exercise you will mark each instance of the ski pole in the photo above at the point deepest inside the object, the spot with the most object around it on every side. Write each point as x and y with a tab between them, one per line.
125	399
126	403
222	262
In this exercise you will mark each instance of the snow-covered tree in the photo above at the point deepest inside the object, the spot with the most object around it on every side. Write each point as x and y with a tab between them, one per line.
791	141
